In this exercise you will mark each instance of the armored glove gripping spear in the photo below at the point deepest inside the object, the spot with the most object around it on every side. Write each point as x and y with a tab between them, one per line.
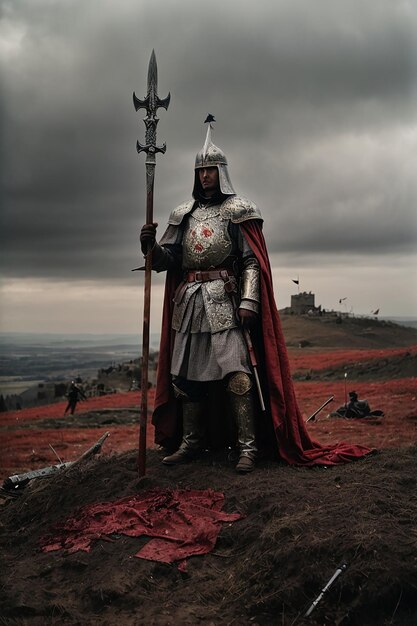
151	103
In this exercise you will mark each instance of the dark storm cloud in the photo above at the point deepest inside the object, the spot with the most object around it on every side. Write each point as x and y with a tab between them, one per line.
315	110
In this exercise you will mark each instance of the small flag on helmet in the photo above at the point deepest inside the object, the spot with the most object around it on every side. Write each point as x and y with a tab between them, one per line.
209	119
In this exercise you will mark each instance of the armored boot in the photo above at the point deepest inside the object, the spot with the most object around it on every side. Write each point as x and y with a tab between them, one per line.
242	403
193	434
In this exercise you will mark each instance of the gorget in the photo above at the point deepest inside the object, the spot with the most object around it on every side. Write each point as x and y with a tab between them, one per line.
206	241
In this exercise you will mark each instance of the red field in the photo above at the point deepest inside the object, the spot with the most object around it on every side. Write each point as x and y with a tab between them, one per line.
318	359
25	441
25	446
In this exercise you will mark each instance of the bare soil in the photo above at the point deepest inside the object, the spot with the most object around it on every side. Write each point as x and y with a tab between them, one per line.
299	525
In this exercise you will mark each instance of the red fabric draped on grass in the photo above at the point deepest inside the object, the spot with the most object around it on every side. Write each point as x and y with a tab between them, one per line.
182	523
293	442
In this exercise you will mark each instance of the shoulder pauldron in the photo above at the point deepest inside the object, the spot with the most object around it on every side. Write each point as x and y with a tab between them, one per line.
178	214
240	209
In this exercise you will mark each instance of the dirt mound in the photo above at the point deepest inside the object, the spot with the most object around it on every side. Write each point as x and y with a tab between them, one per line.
353	332
299	525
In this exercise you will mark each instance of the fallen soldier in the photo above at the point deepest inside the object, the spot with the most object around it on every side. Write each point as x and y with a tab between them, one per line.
356	408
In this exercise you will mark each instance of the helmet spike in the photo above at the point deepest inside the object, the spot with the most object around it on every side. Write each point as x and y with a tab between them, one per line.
208	140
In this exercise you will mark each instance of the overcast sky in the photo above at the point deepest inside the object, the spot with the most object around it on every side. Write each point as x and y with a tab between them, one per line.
316	111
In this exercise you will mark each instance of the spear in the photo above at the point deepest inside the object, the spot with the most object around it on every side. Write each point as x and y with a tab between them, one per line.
151	103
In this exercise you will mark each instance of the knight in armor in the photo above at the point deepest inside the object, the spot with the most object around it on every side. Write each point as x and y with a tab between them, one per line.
219	284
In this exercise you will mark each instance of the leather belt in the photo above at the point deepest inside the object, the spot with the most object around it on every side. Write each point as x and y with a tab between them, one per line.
202	276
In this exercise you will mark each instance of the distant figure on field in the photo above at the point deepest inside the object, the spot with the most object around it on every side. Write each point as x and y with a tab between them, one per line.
73	396
356	408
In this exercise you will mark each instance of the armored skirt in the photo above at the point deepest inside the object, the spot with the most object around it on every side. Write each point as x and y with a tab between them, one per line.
201	355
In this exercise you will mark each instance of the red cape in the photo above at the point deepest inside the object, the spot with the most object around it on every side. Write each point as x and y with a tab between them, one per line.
293	443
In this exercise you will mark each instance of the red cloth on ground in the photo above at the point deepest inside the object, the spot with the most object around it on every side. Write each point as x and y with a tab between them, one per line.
293	442
182	523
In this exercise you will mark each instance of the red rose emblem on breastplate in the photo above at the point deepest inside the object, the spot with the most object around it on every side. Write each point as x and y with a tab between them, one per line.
207	232
201	233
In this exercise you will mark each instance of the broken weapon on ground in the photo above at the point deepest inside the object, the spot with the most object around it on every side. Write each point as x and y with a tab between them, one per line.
19	481
313	416
337	573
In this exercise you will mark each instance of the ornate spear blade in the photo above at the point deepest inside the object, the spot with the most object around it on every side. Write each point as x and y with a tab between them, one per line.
151	103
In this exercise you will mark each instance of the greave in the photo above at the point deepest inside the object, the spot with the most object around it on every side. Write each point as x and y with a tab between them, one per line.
193	426
242	402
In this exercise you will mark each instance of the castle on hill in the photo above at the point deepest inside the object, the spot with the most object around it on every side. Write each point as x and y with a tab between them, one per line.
303	304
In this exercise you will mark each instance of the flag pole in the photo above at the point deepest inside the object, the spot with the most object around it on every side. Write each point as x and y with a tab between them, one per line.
151	103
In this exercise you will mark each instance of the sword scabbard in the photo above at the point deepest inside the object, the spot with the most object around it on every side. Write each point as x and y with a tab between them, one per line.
254	363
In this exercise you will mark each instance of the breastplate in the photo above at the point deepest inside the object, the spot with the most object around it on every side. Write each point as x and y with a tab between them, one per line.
206	241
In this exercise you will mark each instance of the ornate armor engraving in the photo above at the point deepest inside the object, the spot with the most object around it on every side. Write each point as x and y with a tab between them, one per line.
235	208
239	383
250	281
178	213
180	309
206	241
239	209
218	305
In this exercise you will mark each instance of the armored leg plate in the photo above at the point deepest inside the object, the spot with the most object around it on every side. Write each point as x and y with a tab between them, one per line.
242	403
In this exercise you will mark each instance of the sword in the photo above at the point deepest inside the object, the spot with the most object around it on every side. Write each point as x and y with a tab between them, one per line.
251	352
325	588
151	103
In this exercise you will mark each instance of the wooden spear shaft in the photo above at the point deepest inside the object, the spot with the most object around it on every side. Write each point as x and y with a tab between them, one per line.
151	103
145	340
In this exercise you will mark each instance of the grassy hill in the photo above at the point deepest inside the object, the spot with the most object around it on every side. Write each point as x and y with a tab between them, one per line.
350	332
